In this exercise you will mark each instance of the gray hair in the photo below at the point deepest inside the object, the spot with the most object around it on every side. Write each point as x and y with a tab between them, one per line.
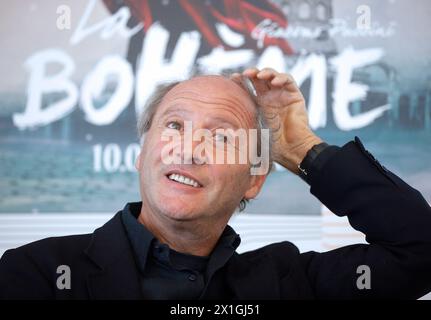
146	118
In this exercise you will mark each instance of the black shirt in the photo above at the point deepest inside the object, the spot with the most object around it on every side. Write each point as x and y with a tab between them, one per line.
166	273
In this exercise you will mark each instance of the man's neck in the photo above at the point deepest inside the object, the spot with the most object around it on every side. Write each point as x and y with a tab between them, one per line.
191	237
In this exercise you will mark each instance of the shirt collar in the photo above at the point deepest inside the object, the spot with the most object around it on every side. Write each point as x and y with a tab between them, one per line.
143	241
140	238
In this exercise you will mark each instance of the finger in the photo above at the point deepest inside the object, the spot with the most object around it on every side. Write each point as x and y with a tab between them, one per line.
235	76
281	79
250	72
261	86
285	80
267	74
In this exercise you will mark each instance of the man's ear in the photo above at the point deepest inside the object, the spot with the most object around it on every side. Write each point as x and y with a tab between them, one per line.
138	161
256	183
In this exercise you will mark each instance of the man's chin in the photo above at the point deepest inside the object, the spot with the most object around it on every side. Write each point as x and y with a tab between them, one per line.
180	214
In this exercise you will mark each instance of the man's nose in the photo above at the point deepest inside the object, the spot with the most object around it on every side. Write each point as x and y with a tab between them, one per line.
194	152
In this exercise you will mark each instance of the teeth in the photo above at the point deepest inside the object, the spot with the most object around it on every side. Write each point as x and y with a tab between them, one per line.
184	180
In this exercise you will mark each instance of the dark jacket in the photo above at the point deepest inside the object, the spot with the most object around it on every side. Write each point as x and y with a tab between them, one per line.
394	217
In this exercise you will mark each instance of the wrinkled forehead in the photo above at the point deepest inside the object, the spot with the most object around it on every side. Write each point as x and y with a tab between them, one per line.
212	90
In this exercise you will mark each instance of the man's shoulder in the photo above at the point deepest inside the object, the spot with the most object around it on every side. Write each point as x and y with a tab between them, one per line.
54	250
278	251
31	270
49	250
271	266
63	243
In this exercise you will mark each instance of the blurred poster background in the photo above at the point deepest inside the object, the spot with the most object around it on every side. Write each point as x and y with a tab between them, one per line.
74	75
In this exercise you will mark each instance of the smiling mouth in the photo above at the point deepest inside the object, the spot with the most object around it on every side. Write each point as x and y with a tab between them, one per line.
183	180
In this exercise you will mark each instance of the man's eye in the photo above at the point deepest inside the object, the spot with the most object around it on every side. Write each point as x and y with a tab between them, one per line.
173	125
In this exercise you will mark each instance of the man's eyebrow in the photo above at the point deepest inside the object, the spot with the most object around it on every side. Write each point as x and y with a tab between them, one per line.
175	111
185	111
224	120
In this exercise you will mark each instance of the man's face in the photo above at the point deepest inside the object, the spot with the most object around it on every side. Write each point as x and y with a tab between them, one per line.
211	103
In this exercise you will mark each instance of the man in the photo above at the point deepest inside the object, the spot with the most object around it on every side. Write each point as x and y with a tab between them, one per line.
176	243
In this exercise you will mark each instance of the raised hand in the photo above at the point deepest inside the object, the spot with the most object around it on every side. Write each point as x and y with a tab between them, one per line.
284	109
